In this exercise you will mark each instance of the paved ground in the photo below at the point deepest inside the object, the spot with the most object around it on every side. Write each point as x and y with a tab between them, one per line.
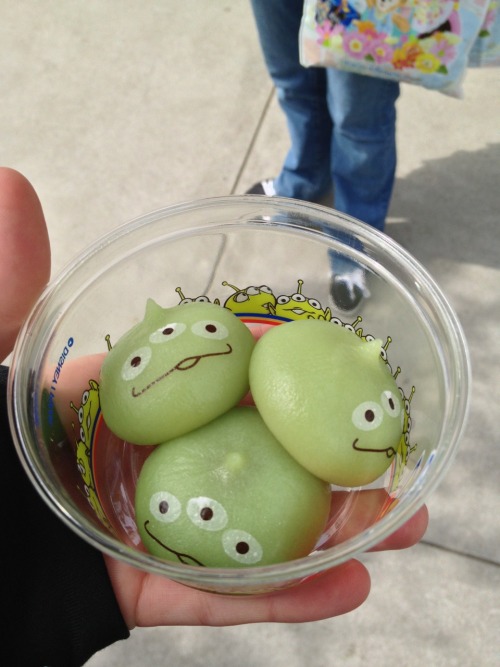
118	108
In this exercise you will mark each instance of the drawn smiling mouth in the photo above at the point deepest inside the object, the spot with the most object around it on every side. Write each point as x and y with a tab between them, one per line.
389	451
297	310
183	365
186	559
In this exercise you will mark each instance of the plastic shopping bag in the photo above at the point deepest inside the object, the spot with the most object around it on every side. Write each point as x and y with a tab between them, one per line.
423	42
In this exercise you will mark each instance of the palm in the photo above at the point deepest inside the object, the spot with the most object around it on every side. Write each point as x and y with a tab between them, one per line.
151	600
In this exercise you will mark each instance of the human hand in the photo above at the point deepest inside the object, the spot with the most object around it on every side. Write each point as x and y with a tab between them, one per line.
147	599
24	254
150	600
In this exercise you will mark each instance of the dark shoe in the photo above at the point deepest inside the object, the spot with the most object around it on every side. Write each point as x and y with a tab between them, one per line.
348	290
265	187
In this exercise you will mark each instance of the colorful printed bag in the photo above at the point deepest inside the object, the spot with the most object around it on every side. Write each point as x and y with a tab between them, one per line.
424	42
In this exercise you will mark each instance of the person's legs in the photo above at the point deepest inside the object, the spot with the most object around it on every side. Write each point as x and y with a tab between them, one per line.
302	95
342	129
363	110
363	165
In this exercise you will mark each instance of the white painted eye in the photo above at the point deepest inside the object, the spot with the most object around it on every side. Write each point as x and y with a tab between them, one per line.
314	304
136	363
241	297
266	289
168	332
82	436
253	291
202	299
165	507
367	416
390	403
210	329
242	547
299	297
85	397
283	299
207	513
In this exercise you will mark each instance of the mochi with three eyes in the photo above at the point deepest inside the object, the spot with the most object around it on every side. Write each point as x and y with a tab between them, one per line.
229	495
175	371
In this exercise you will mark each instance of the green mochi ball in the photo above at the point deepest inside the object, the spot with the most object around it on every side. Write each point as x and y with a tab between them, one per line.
175	371
329	398
229	495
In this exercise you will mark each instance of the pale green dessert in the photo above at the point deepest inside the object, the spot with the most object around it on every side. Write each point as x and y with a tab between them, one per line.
229	495
329	398
175	371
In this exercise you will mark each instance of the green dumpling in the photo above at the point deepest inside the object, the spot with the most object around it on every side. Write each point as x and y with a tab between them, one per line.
329	398
229	495
175	371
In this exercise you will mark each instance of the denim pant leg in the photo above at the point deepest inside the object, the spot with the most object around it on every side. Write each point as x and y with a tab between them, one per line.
301	93
363	110
363	164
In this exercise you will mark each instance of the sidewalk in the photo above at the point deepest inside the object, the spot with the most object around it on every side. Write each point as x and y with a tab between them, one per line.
115	109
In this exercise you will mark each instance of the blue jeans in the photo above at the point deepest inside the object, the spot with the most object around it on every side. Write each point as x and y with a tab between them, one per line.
342	126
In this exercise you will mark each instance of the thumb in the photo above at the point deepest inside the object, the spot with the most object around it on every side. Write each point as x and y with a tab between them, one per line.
24	254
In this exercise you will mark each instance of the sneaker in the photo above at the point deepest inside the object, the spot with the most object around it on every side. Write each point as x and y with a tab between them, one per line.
348	290
265	187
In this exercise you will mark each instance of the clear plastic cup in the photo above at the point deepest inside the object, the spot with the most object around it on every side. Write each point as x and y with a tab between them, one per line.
218	249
